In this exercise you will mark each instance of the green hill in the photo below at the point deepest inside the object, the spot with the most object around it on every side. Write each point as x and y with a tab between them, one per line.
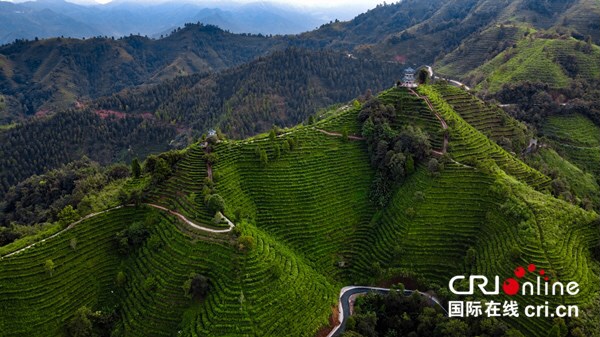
554	62
576	138
306	227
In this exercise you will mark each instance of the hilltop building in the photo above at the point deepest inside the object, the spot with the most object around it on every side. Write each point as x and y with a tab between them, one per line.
408	80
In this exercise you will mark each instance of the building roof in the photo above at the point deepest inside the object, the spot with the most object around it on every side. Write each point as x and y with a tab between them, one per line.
409	70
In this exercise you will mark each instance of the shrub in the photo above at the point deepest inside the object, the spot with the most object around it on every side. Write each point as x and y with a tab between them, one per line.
196	286
150	283
49	266
81	325
245	243
121	279
215	203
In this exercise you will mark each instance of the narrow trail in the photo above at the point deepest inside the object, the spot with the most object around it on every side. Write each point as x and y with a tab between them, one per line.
208	164
89	216
60	232
192	224
337	134
439	117
444	126
344	306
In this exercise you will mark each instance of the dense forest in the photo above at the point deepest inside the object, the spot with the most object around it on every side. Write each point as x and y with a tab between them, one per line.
41	145
282	89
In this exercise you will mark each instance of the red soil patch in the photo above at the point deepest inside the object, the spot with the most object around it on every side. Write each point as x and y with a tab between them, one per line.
334	320
147	115
108	113
42	113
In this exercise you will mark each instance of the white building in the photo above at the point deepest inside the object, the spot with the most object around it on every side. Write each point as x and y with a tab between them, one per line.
409	78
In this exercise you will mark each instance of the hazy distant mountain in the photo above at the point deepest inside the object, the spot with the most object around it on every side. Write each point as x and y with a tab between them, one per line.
21	21
52	18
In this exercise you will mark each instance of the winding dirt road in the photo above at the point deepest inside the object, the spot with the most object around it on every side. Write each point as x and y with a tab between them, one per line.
178	215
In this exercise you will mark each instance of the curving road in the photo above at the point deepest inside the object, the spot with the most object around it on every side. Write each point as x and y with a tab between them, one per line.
344	303
178	215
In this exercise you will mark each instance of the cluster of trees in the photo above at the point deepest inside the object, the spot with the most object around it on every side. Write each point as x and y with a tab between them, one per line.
394	314
42	145
161	166
394	151
196	286
535	101
286	145
88	323
134	236
54	196
283	88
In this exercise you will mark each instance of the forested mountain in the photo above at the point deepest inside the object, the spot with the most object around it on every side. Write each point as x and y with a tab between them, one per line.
51	18
459	36
224	236
423	32
282	89
55	73
44	144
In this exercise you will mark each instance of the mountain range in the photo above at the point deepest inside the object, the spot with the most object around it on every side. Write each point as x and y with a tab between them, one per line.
52	18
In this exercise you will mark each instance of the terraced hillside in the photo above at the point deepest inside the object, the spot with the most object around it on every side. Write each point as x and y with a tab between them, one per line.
241	282
577	138
305	227
477	50
490	120
470	146
183	192
552	61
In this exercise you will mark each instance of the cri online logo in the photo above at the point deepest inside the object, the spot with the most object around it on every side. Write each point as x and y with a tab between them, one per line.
511	286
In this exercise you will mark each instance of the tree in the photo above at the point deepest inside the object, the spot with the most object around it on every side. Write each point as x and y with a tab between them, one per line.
67	215
422	76
215	203
433	166
121	279
345	134
264	159
196	286
161	171
81	325
136	169
49	266
272	135
245	243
